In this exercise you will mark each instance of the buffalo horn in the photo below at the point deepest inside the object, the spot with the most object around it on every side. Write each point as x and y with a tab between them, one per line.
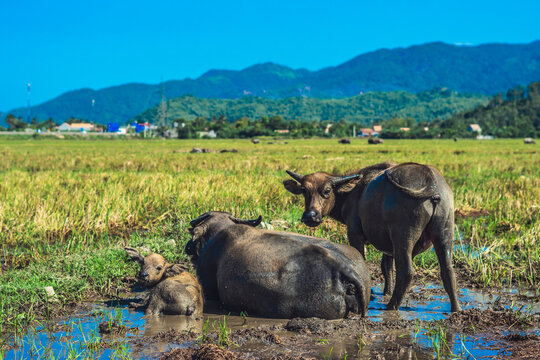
199	220
253	222
343	179
295	176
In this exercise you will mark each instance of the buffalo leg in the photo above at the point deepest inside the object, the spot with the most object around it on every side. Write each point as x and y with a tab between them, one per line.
142	304
404	275
137	306
443	249
403	240
357	242
387	268
155	305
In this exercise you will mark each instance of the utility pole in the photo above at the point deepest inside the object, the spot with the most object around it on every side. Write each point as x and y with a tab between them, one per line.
92	112
163	111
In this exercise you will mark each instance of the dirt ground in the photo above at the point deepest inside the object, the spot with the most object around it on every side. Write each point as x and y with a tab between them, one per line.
495	323
502	332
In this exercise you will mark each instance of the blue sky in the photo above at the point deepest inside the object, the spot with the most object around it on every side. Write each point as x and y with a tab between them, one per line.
66	45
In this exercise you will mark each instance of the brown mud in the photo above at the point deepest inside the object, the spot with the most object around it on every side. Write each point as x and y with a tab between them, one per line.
490	327
495	323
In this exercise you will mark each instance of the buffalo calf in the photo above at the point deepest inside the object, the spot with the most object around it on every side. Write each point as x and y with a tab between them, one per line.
174	290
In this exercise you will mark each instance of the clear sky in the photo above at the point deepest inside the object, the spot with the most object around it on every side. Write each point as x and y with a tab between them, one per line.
65	45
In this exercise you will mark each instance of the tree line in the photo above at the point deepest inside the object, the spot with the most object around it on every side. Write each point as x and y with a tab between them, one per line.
514	114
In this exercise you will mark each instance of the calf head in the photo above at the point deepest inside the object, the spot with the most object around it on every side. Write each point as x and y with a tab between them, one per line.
320	191
209	224
154	268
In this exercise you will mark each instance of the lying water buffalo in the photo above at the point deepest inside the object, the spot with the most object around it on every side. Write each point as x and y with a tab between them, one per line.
174	290
276	274
374	141
400	209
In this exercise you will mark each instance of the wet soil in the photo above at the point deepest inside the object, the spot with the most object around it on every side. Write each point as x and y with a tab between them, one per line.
521	347
487	328
494	323
206	351
107	328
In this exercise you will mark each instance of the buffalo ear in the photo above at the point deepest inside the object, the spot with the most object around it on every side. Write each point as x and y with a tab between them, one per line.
347	186
254	222
135	255
174	269
292	186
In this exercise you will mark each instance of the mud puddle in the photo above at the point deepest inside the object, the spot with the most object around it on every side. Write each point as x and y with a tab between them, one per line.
493	323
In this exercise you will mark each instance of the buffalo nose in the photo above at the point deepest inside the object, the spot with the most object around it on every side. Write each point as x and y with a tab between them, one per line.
144	275
189	248
309	215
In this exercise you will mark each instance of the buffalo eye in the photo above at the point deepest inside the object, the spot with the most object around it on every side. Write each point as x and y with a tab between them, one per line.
326	192
158	268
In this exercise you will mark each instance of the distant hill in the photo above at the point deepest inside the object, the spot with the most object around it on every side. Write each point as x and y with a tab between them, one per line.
515	115
483	69
364	108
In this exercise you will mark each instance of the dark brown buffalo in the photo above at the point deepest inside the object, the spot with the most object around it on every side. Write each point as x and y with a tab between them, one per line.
174	291
276	274
400	209
374	140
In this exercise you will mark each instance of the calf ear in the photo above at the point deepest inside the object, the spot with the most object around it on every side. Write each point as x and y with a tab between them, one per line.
135	255
292	186
174	269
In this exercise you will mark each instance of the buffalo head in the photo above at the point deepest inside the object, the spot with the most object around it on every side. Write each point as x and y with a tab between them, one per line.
320	191
154	268
209	224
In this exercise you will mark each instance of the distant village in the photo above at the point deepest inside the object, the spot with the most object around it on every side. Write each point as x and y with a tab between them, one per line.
147	129
140	128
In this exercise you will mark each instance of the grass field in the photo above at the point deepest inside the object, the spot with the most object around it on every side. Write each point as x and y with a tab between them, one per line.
68	207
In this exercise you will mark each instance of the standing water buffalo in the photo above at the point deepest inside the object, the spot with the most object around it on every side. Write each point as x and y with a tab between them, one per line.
276	274
174	290
400	209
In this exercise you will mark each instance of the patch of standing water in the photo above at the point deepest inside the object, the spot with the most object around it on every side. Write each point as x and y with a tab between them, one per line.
430	302
470	251
79	336
407	344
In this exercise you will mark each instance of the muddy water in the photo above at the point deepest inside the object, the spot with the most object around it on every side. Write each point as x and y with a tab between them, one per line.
80	334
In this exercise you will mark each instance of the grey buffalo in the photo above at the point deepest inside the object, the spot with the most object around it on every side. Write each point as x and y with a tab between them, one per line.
276	274
402	210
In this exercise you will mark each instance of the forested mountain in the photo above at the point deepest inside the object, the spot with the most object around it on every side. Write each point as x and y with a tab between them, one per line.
372	106
484	69
515	115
